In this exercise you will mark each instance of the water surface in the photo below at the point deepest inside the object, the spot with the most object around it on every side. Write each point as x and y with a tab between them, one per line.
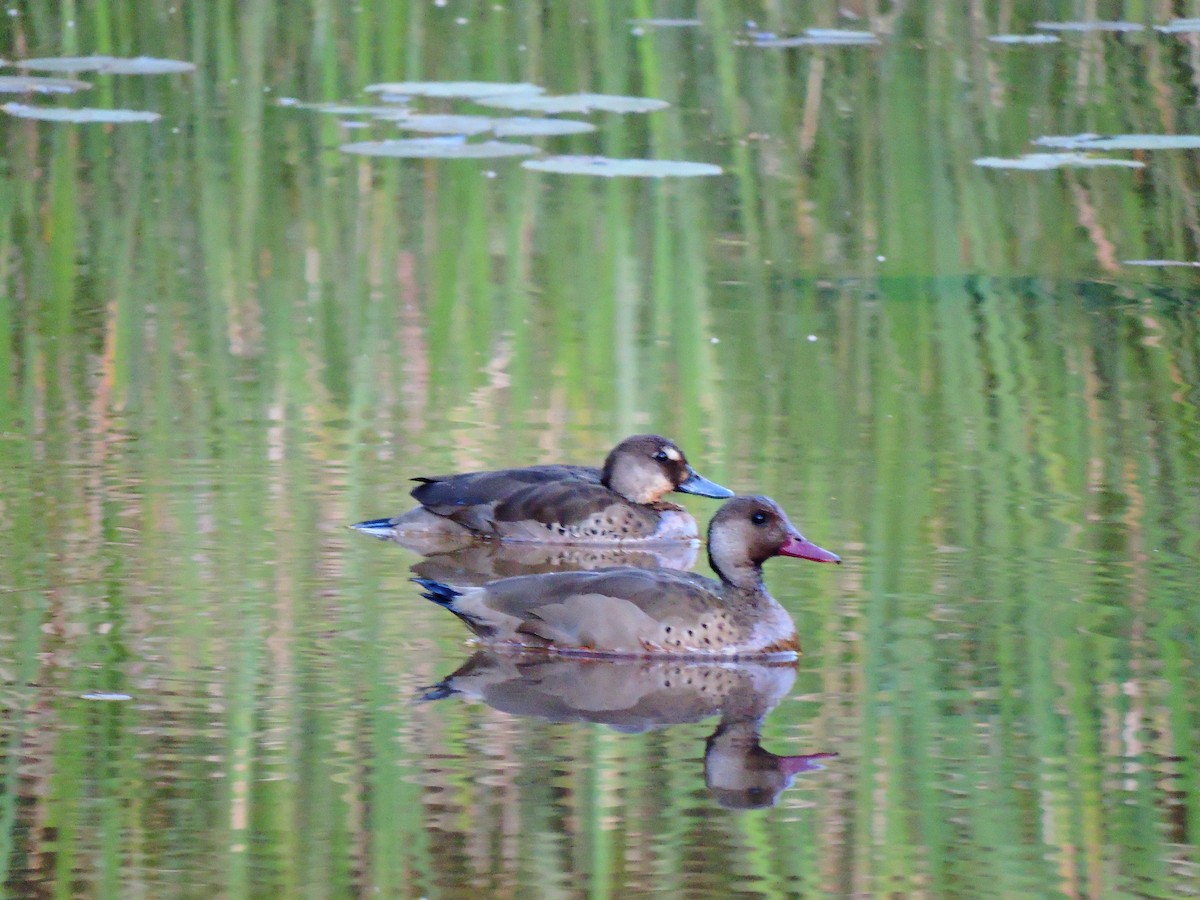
226	340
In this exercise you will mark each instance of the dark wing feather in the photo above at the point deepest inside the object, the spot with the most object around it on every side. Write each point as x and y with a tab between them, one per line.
659	593
444	493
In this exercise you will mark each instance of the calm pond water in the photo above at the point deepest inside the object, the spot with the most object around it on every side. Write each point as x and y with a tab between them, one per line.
226	340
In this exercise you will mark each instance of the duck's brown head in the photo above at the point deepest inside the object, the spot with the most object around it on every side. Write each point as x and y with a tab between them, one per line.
747	531
644	467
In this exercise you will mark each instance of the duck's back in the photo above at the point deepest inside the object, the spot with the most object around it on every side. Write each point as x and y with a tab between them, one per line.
443	493
657	593
556	504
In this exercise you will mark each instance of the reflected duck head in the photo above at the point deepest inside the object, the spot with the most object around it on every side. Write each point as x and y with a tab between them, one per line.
747	531
741	774
644	467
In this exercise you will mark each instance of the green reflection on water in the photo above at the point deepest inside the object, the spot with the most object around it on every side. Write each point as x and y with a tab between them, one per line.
225	341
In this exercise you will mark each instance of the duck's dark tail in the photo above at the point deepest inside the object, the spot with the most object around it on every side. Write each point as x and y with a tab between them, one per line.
444	595
381	528
481	662
441	594
439	691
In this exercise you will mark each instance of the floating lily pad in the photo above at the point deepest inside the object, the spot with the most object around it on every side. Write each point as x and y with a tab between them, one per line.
613	168
1164	263
840	36
472	125
394	99
64	63
431	124
342	109
454	89
805	41
1024	39
664	23
575	103
148	65
817	37
522	127
1043	161
1121	142
32	84
435	148
140	65
1179	26
55	114
1090	26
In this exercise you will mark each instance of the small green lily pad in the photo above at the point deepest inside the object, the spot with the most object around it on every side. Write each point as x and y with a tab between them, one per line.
1163	263
819	37
613	168
1025	39
148	65
438	148
435	124
520	126
452	89
575	103
472	125
109	65
342	109
64	63
1179	26
1090	26
664	23
840	34
1121	142
84	115
33	84
1042	161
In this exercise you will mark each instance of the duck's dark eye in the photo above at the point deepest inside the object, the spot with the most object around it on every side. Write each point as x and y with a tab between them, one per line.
661	456
759	518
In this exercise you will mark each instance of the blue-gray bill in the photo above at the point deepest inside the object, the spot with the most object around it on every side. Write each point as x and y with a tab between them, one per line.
701	486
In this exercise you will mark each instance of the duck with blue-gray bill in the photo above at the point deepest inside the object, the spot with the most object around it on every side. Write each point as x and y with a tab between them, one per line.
565	504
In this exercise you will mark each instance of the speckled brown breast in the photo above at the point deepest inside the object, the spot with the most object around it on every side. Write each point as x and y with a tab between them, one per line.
581	514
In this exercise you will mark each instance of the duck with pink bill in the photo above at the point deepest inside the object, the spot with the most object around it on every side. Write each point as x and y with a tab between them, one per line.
650	612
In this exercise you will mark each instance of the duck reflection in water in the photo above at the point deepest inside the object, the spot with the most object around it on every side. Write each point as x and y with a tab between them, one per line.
473	563
633	696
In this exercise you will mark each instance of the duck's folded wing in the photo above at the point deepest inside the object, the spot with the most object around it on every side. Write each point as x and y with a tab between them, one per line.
444	493
615	609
